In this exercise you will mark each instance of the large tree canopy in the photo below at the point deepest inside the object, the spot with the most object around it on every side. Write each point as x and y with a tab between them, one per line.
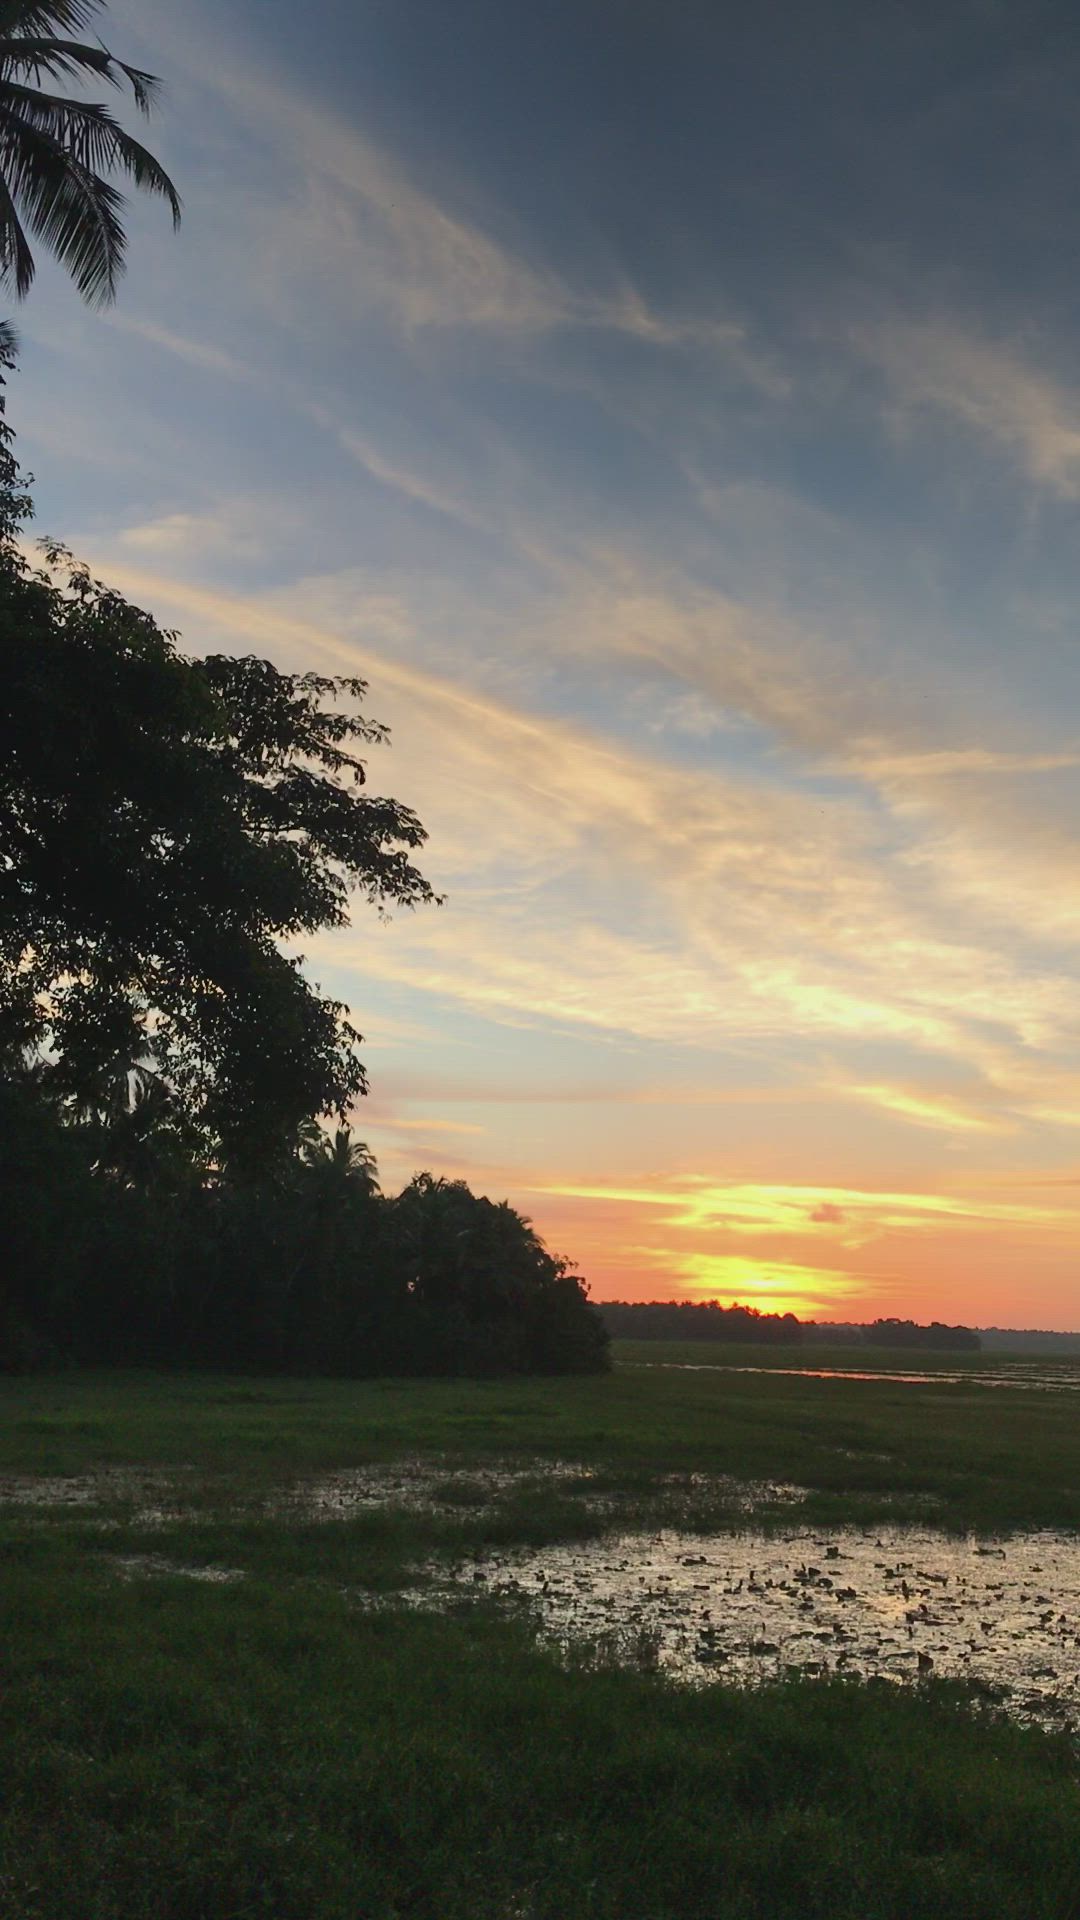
165	823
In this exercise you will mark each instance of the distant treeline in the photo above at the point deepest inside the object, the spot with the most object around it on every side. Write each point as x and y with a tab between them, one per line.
708	1320
1028	1340
696	1320
907	1333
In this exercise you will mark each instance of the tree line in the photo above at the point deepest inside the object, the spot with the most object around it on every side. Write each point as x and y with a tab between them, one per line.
697	1320
709	1320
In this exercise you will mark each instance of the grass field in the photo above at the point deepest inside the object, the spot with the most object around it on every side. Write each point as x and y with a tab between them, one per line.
280	1746
867	1450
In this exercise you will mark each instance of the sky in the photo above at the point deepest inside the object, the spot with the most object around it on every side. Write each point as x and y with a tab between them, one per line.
673	412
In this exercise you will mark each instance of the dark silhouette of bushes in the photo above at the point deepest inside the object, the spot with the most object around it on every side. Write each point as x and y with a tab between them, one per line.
312	1271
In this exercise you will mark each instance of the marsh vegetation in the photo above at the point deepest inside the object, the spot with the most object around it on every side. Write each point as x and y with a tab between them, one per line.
353	1722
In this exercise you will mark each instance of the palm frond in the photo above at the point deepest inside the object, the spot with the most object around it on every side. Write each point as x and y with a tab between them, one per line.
71	60
145	86
94	139
55	151
16	259
66	205
47	16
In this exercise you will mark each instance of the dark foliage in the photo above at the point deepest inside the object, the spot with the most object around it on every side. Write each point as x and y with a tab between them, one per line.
55	151
118	1251
164	824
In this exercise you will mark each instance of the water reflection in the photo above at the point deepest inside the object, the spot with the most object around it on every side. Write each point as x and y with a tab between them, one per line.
1036	1379
895	1603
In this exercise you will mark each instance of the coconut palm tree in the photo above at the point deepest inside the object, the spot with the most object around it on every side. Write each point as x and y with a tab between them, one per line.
343	1161
147	1143
55	151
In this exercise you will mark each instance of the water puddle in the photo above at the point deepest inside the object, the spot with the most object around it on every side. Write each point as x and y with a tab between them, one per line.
895	1604
423	1485
134	1566
148	1496
147	1488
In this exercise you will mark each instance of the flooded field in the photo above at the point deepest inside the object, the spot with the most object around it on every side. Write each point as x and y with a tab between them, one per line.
156	1497
894	1604
430	1486
152	1492
423	1485
1030	1377
262	1624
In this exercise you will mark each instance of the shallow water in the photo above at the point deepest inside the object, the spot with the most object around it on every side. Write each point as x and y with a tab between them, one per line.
142	1565
893	1603
423	1485
148	1488
1033	1379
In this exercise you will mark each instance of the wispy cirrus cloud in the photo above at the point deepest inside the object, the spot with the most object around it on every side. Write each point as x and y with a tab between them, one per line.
997	391
944	1113
760	913
357	219
202	354
391	471
696	1201
880	763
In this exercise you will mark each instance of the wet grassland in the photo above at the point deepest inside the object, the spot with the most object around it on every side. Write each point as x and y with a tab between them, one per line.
685	1640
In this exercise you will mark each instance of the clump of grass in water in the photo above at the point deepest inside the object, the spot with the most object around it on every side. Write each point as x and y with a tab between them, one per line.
462	1492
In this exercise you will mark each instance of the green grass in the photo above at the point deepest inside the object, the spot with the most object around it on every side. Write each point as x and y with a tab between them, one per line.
194	1753
301	1744
972	1456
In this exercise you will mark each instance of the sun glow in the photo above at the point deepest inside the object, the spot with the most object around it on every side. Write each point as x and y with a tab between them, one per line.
773	1286
819	1251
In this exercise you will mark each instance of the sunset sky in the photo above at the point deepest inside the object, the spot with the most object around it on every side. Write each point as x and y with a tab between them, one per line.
673	410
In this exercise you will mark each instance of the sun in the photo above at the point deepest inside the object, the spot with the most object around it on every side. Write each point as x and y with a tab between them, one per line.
774	1286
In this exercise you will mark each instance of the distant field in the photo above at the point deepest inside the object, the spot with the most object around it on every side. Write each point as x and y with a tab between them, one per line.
295	1741
981	1456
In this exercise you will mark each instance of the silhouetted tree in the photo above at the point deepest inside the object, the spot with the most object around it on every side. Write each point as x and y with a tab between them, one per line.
47	1218
340	1160
164	824
164	1197
55	151
141	1137
484	1293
